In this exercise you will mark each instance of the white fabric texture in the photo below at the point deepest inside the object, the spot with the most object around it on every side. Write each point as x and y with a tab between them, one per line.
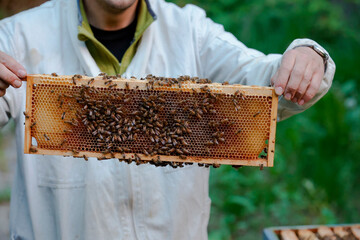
65	198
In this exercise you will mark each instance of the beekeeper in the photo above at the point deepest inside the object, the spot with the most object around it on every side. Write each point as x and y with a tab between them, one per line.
65	198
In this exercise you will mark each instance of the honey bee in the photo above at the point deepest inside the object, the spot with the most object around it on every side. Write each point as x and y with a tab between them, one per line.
67	95
63	142
33	124
75	152
61	103
209	143
113	85
105	152
146	153
185	151
225	121
90	81
26	115
237	166
261	167
71	123
126	149
256	113
33	149
207	150
216	165
162	100
46	137
108	82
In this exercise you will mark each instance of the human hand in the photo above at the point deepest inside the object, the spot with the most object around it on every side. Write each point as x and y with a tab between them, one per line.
299	76
11	73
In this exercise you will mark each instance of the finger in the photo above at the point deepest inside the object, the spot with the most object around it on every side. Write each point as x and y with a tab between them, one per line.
2	92
313	88
12	65
308	74
272	81
285	69
9	77
296	78
3	85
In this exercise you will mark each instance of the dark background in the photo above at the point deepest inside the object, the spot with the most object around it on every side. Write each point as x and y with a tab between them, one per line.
316	177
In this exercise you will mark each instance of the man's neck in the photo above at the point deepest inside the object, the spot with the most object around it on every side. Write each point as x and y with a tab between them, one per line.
100	18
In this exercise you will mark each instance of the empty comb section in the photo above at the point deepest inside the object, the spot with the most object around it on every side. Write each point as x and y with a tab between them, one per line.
326	233
305	234
355	230
161	120
288	235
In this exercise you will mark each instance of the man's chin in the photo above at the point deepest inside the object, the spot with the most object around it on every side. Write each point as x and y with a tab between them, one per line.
116	6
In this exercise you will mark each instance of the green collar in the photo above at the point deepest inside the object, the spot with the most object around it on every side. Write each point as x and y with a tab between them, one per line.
105	60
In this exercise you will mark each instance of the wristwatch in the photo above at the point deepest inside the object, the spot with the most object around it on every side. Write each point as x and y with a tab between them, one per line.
319	51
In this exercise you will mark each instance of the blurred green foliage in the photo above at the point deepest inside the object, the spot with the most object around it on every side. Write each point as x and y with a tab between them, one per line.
5	195
316	175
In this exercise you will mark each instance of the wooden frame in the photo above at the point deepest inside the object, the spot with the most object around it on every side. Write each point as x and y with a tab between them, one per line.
33	80
273	233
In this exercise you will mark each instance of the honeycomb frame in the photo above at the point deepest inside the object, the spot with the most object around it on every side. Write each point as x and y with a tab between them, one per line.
320	232
256	116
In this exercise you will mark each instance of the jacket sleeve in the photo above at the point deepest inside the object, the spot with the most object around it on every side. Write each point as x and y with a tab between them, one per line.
223	58
10	103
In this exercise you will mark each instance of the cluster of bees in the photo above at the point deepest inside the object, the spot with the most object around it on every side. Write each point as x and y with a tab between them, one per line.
108	119
162	81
